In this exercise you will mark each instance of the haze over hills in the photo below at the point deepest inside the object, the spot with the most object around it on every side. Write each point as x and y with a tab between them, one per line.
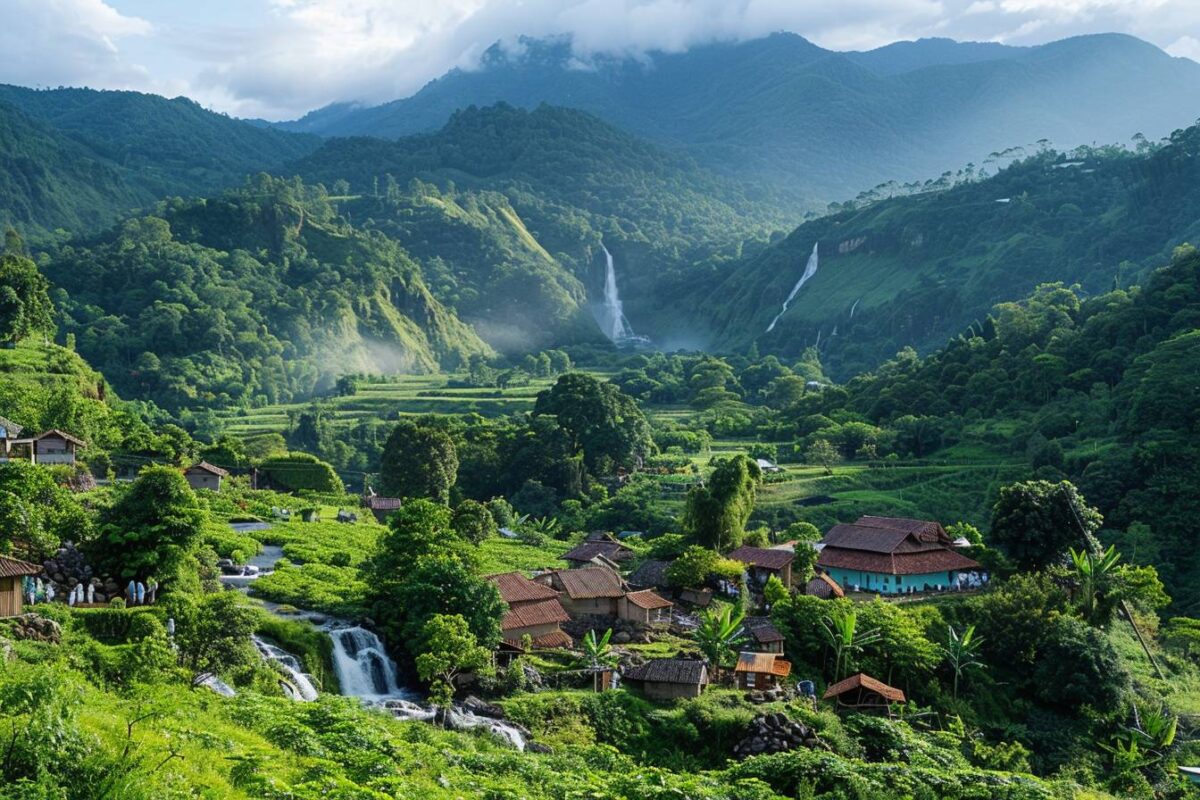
818	123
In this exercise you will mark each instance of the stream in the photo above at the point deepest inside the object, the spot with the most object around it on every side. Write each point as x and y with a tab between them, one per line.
362	665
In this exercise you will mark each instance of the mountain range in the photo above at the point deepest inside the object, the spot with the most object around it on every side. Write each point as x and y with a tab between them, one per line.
820	124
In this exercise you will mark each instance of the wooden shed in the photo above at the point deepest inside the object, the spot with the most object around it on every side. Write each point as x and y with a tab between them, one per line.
760	670
863	693
205	476
12	571
669	678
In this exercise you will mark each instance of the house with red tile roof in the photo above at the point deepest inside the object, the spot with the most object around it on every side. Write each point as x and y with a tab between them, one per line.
763	562
534	610
892	555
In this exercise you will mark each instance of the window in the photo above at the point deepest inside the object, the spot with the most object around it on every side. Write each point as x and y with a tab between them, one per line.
750	680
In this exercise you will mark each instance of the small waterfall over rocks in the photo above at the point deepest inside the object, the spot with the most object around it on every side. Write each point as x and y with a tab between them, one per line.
298	685
366	672
810	269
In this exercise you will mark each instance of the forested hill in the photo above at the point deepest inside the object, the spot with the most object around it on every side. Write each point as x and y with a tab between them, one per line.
1100	391
507	208
914	270
260	295
80	159
823	123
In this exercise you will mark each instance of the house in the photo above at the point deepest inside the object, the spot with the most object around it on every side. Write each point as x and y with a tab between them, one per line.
588	590
763	562
763	635
53	447
205	476
824	587
12	573
760	670
864	693
669	678
892	555
9	432
650	574
767	466
381	507
598	543
645	607
533	611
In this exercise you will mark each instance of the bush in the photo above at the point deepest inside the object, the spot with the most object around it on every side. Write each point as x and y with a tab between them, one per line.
296	471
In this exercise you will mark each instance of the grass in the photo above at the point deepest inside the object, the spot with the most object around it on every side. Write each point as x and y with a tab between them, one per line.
509	555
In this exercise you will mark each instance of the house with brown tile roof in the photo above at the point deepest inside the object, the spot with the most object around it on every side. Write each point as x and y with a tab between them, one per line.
864	693
53	447
824	587
533	610
763	562
589	590
205	476
598	544
645	607
893	555
764	636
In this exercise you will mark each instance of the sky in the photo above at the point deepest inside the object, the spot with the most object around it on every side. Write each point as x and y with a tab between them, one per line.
278	59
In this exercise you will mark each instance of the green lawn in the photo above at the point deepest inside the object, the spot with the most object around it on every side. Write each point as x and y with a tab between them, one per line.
509	555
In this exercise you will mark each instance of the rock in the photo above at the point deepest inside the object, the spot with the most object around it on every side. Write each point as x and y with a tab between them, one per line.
538	747
36	628
482	708
621	637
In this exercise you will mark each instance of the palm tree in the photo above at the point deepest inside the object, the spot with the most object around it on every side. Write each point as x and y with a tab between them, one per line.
1093	572
719	634
598	655
962	652
846	639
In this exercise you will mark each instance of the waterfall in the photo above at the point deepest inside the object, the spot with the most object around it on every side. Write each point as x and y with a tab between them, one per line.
362	665
612	315
810	269
299	684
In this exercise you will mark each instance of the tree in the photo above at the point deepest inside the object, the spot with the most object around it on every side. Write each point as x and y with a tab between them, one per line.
1078	665
601	422
962	652
822	453
719	634
1035	522
774	592
419	461
296	471
25	306
1094	574
36	514
213	632
151	528
697	564
448	648
474	522
716	513
846	639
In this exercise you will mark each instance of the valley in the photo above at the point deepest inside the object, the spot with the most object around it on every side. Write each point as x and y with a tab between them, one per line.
717	422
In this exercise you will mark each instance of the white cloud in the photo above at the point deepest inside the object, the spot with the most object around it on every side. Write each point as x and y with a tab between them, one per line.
283	57
1185	47
53	42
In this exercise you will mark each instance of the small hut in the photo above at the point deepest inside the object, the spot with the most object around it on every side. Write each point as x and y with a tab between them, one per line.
669	678
760	670
12	571
861	692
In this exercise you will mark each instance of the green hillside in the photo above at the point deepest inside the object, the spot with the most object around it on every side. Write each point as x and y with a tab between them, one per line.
524	199
821	124
81	159
260	295
915	270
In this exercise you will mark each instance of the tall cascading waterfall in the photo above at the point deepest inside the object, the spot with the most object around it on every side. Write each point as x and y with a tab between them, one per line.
810	269
612	317
299	684
366	672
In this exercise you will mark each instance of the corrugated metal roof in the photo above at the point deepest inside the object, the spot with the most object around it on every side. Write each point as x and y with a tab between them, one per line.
763	663
16	568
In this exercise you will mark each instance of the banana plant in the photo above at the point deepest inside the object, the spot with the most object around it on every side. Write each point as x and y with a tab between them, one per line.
719	634
1093	573
962	652
846	639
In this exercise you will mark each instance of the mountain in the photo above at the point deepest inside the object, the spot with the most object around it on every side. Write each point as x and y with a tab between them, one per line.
80	159
911	271
820	124
508	208
260	295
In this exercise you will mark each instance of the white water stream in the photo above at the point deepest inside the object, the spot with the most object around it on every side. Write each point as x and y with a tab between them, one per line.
810	269
298	685
613	322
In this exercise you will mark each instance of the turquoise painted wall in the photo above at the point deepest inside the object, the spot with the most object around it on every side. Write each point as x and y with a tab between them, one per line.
890	584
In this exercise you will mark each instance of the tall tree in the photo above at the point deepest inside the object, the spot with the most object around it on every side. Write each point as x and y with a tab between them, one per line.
717	512
602	422
419	461
1036	522
25	306
448	648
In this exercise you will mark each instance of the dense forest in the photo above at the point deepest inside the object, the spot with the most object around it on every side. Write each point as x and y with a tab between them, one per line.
256	296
